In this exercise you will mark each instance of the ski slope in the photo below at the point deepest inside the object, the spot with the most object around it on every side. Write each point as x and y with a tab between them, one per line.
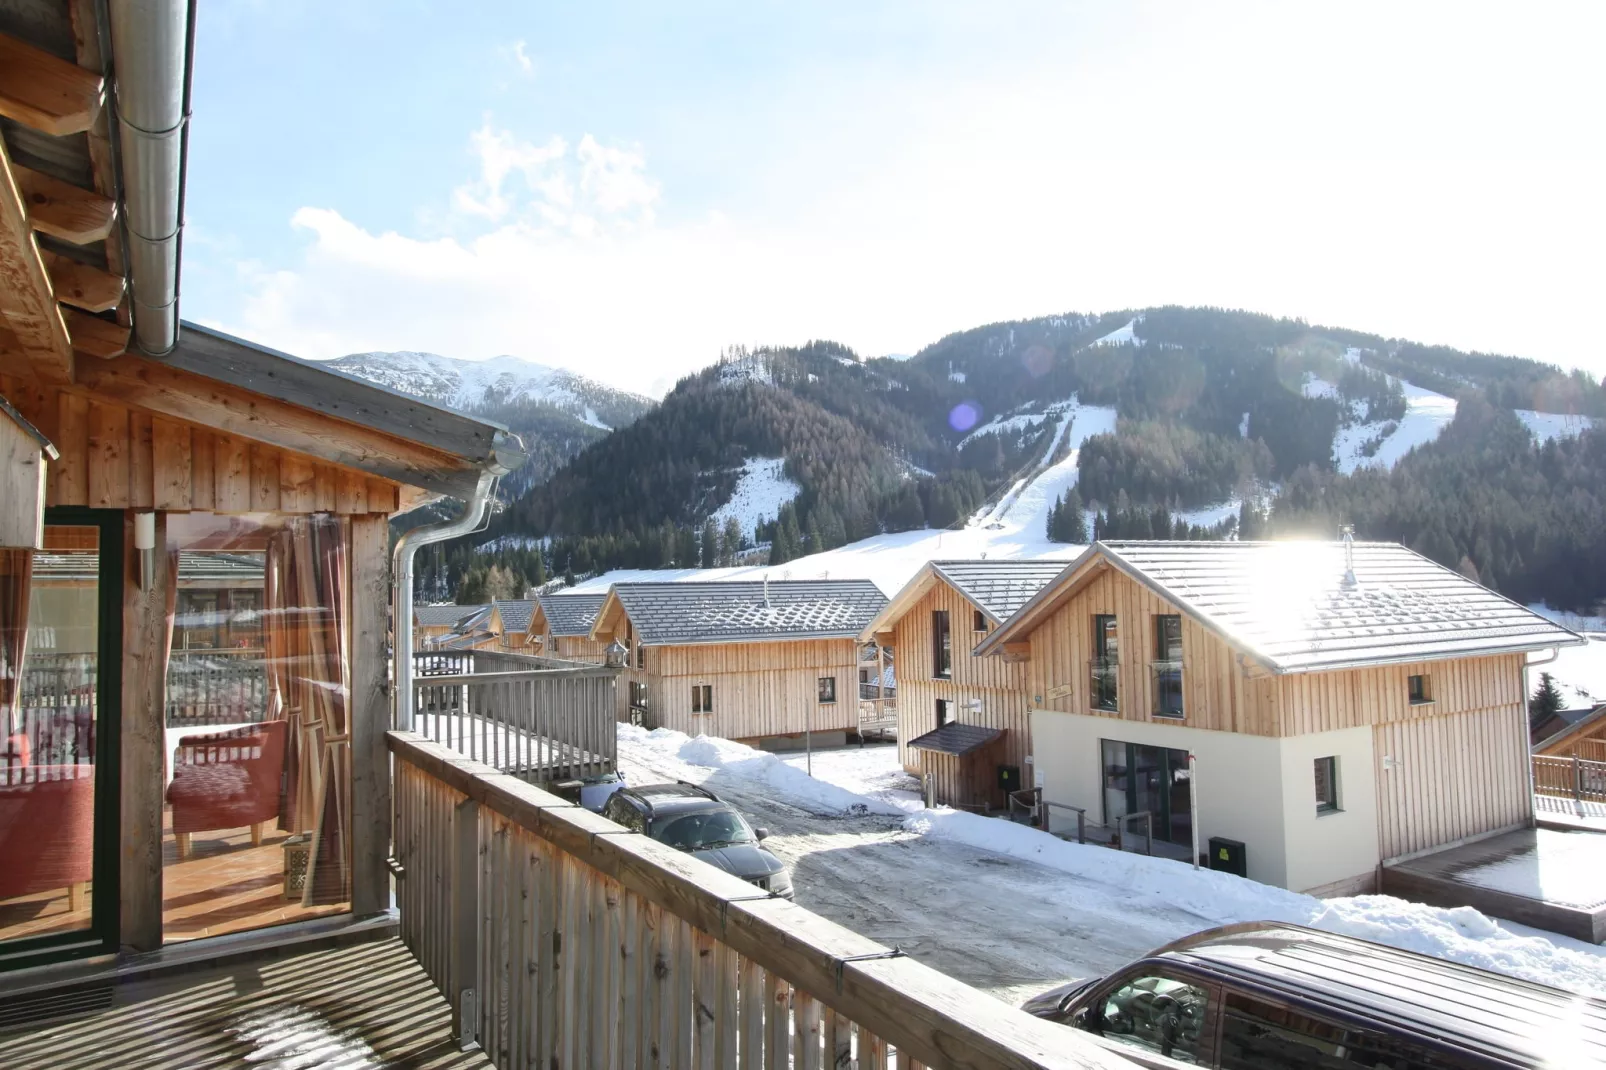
1548	426
1023	510
760	492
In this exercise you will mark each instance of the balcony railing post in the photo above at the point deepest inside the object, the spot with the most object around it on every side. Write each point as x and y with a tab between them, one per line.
465	922
1578	781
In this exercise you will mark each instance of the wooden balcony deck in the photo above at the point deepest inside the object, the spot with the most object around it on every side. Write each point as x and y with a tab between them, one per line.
365	1005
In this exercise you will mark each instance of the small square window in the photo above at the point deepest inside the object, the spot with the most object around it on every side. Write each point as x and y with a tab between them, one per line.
978	621
944	708
1419	689
1326	785
702	698
827	689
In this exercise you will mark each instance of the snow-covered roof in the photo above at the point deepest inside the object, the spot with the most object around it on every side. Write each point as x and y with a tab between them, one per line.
515	613
571	614
447	615
670	614
998	587
1290	606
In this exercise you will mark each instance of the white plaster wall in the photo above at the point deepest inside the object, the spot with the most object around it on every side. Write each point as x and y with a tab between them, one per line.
1240	782
1322	848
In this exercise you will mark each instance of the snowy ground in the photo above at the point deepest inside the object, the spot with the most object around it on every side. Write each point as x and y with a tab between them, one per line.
1578	622
1579	671
1013	911
1023	510
1122	335
1551	425
760	492
1427	414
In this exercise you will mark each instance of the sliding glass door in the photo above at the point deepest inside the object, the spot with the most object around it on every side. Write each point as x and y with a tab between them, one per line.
1143	779
60	696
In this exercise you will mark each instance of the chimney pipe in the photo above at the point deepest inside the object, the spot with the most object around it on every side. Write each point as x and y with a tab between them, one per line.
1347	533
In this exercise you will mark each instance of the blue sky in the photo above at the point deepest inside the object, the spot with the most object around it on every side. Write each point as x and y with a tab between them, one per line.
623	189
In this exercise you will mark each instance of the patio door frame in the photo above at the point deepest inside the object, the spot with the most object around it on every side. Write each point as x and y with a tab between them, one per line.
106	889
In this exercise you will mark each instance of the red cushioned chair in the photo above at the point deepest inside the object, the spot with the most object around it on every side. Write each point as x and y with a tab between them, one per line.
47	830
227	780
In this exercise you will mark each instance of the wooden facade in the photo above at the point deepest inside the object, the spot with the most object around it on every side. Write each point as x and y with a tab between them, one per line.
985	691
759	690
115	456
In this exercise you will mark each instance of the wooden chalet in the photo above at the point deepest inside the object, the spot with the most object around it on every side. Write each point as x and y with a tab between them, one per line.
509	621
560	626
765	661
933	626
378	822
431	622
1347	706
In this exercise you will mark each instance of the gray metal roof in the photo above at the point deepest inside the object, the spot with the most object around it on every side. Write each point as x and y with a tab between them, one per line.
1289	605
447	615
196	568
682	613
955	738
999	587
571	614
516	613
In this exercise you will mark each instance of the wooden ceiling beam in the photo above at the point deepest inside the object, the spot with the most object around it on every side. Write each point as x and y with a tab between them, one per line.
83	286
26	299
49	94
62	210
95	336
169	391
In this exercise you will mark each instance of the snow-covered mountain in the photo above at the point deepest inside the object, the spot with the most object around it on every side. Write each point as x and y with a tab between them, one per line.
472	385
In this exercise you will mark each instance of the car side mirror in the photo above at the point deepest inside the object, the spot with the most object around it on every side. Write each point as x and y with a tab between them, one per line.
761	833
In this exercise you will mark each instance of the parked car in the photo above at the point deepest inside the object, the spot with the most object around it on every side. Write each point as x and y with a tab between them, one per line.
1269	996
694	819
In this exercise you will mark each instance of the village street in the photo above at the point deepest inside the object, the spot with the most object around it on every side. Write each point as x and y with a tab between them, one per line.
1003	925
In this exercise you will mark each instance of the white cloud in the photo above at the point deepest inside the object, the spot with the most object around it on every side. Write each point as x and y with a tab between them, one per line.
522	58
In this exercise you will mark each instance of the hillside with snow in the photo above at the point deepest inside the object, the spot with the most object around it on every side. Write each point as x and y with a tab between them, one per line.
471	385
761	490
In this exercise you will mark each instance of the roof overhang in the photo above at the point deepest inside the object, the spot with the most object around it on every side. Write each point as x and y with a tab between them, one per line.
930	575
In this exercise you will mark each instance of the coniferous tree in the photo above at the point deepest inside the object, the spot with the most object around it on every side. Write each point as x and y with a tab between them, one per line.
1546	700
730	541
708	547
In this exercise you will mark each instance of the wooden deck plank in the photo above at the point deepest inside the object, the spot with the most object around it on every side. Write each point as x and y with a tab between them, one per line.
366	1004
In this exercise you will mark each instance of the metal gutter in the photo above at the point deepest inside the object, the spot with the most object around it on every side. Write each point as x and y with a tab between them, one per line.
153	47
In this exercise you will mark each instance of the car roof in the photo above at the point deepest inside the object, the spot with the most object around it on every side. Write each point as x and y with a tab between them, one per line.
1501	1017
663	799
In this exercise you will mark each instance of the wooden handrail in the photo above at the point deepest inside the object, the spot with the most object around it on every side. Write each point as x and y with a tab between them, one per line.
928	1017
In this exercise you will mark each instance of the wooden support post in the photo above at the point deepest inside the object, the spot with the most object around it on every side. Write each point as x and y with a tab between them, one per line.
143	742
465	922
370	715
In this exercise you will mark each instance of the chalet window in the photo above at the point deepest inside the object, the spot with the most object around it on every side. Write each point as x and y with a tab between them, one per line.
638	695
942	644
641	656
978	621
1419	689
944	706
1168	665
702	698
1326	785
1106	661
827	688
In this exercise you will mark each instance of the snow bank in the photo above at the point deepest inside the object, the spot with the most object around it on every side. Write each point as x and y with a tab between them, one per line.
760	492
1460	935
761	767
1546	426
1580	672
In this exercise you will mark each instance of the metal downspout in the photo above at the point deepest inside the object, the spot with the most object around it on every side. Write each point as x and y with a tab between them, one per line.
1527	728
401	591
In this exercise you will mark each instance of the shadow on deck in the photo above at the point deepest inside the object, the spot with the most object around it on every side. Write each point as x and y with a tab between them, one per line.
359	1006
1543	877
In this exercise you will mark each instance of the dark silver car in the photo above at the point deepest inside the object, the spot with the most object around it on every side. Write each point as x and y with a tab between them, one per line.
1271	996
694	819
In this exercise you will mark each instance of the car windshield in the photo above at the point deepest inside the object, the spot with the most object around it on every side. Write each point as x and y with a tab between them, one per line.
712	828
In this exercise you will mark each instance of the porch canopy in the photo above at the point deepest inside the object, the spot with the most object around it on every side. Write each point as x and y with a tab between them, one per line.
956	739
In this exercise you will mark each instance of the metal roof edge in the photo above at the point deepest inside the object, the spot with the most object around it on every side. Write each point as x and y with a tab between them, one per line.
1046	593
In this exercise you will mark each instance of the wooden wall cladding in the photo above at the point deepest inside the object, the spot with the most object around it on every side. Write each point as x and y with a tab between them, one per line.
116	457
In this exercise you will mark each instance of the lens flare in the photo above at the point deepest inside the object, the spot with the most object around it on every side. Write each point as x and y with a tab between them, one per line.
1036	360
964	416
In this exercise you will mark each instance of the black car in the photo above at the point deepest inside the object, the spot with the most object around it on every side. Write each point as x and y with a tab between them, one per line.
1270	996
695	819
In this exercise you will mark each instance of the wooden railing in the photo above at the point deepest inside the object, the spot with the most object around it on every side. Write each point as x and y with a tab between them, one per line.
1570	778
561	939
222	686
542	725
